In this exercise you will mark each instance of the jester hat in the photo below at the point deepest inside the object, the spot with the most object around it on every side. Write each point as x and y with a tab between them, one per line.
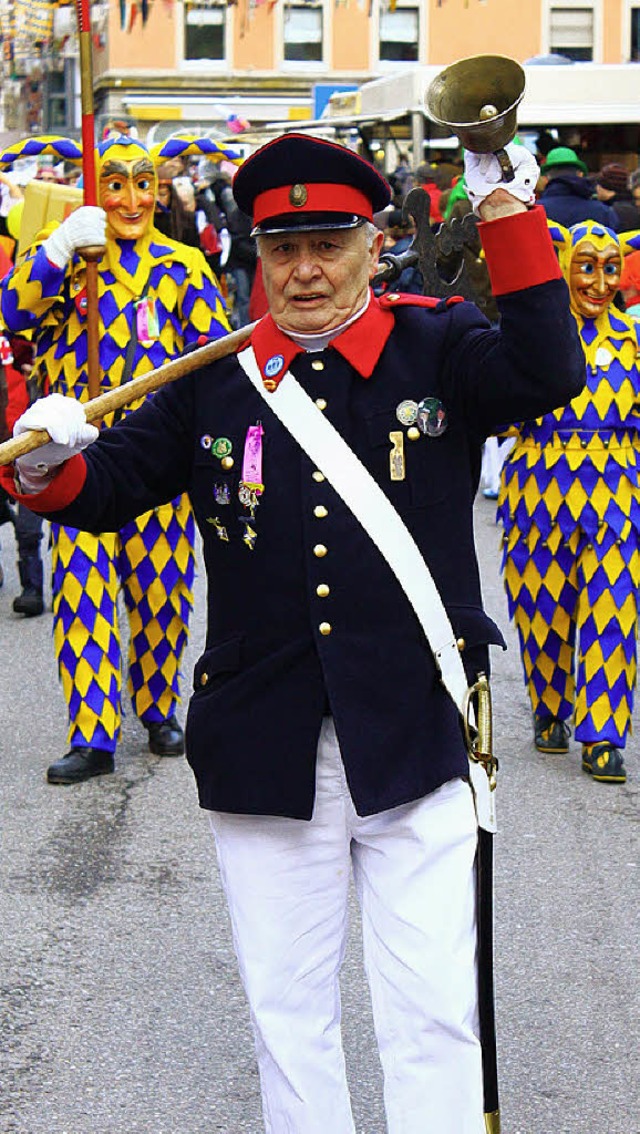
119	146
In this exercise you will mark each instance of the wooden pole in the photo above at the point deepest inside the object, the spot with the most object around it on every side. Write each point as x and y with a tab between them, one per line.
112	400
92	256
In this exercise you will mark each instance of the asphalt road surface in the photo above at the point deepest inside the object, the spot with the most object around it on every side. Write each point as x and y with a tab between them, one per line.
121	1009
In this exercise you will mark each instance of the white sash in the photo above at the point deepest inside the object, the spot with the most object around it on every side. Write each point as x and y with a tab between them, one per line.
372	508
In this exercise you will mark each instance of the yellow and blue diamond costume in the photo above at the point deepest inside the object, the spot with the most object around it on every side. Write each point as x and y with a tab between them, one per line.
152	558
570	507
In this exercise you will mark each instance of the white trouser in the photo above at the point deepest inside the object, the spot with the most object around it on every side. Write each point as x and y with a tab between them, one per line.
287	884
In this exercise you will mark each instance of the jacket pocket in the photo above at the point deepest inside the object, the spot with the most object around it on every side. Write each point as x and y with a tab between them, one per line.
219	662
429	473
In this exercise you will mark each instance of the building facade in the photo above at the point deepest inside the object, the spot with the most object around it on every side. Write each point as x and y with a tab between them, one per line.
212	66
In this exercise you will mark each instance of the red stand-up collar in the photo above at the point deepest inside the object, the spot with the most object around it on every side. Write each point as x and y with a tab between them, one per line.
361	344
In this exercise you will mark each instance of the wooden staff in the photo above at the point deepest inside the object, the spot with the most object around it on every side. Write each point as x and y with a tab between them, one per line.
93	255
98	408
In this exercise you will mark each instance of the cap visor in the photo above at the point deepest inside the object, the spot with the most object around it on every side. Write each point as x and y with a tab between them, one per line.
306	222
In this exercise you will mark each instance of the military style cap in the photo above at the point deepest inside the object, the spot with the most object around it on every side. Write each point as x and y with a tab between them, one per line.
302	183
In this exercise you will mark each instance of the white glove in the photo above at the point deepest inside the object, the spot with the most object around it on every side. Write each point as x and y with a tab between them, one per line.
225	241
483	174
70	433
83	227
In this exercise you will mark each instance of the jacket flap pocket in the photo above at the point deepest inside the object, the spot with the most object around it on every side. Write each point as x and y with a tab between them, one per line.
380	425
223	658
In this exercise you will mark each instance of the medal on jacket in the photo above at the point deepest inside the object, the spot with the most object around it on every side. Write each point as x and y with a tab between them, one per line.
221	531
251	486
396	455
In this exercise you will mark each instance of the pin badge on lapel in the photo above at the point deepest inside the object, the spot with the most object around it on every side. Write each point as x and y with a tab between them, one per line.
432	417
407	412
396	456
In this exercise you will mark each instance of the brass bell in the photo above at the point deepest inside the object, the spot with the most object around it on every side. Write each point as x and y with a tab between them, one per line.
477	98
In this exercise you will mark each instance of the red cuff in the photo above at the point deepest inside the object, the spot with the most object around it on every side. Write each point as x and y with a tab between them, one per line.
61	491
519	251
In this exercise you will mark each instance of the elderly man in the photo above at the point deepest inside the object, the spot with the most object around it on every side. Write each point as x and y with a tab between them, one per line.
322	740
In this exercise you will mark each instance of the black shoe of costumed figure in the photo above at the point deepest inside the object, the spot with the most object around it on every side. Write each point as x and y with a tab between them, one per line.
30	603
166	738
80	764
604	763
551	734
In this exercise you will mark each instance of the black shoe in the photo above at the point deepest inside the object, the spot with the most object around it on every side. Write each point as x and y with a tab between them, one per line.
80	764
29	603
551	734
604	763
166	738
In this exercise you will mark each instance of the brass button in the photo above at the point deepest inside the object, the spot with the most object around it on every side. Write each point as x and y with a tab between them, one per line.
320	512
413	433
317	365
323	590
325	628
321	403
319	551
204	678
227	462
318	476
461	644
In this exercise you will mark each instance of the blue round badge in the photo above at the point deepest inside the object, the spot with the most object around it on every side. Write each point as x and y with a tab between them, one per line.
274	365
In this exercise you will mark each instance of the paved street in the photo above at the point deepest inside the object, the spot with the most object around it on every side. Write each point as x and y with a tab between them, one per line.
121	1009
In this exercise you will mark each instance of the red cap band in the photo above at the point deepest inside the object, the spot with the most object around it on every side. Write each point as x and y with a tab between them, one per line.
312	198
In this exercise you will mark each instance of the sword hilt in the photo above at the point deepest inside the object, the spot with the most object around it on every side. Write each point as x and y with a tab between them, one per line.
480	736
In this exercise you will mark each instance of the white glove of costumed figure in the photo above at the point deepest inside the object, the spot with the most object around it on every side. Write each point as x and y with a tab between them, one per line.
83	228
70	433
482	174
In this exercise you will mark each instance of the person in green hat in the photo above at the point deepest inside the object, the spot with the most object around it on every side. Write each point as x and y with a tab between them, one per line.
568	197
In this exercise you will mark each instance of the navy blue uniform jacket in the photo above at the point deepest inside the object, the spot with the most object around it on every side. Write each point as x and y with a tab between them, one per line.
268	674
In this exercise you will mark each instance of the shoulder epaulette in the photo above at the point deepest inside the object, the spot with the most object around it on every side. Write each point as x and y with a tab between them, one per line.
406	299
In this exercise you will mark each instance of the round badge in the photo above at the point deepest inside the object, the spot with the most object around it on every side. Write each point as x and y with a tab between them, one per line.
407	412
298	196
274	365
221	447
432	417
206	441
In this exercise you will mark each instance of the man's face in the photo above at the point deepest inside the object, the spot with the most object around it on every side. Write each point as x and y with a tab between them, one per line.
314	281
127	195
164	193
594	278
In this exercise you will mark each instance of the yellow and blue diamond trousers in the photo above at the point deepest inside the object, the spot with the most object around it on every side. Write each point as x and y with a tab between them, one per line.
570	507
151	560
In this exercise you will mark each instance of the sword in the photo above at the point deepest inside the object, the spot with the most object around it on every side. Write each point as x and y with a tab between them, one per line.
480	748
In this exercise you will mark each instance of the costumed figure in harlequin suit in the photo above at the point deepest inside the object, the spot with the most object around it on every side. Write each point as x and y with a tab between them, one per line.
155	297
570	506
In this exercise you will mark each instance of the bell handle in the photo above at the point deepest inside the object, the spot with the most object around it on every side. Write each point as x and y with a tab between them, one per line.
508	172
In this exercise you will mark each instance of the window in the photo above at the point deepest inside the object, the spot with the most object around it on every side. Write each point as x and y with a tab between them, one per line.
634	55
399	33
204	30
303	33
571	33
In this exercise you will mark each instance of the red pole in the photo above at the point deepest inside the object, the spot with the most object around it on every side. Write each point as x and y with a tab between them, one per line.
91	255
